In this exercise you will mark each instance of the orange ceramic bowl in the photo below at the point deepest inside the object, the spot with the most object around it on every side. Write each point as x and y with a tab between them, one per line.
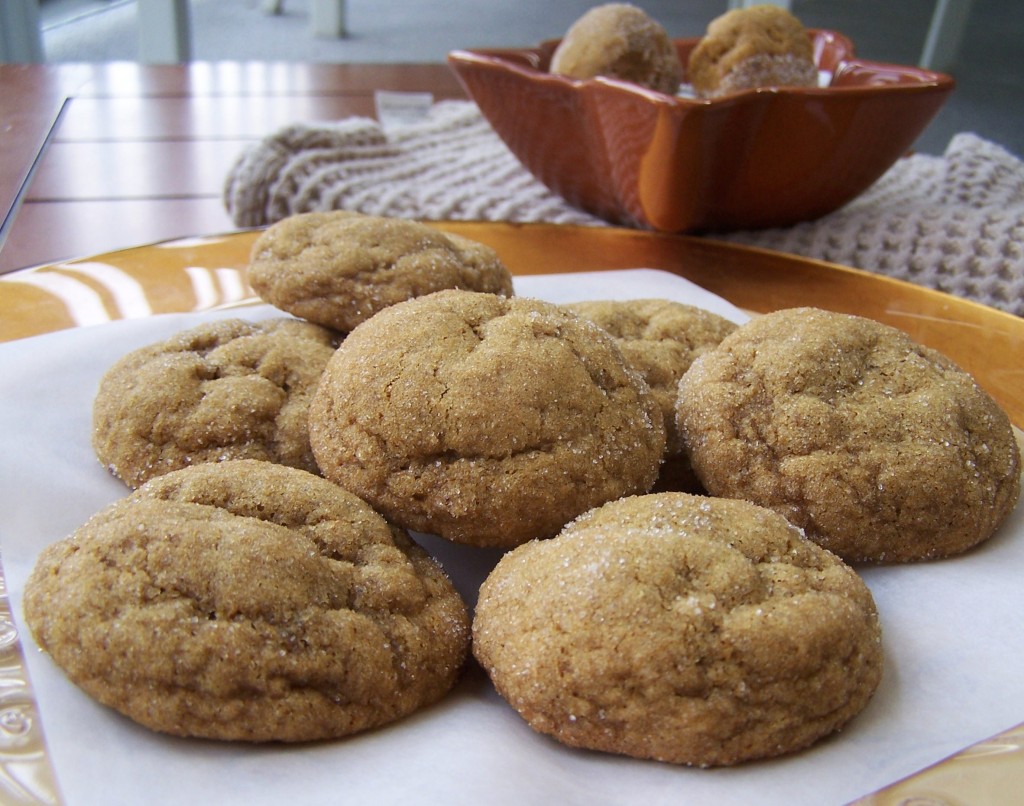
754	159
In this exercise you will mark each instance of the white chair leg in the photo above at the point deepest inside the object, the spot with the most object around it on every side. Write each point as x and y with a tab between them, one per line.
942	45
21	38
165	31
328	18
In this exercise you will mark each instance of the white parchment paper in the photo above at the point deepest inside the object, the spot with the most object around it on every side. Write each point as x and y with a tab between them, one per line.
952	635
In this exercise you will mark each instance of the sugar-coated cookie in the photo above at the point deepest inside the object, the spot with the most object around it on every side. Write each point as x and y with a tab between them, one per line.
339	268
747	48
682	628
228	389
882	449
619	40
660	338
484	419
248	601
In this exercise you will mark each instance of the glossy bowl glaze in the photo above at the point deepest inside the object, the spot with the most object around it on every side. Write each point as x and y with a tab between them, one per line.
754	159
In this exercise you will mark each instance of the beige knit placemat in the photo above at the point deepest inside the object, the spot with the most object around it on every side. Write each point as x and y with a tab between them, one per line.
954	222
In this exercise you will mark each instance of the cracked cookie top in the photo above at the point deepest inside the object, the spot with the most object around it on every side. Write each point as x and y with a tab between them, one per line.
339	268
483	419
223	390
248	601
688	629
882	449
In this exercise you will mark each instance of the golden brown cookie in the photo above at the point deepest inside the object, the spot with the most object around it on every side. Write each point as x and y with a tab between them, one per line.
619	40
223	390
687	629
880	448
483	419
660	338
248	601
339	268
747	48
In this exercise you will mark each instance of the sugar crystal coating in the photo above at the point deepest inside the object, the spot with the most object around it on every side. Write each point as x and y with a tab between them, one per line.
228	389
339	268
881	449
248	601
749	48
660	338
484	419
681	628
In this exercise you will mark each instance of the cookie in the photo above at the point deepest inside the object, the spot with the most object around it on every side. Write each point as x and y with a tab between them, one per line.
223	390
486	420
660	338
681	628
619	40
248	601
340	268
748	48
882	449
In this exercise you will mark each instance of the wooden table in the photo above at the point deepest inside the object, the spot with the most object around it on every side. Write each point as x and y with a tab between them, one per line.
103	156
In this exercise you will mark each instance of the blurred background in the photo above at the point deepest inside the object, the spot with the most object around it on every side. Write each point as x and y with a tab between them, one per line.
988	66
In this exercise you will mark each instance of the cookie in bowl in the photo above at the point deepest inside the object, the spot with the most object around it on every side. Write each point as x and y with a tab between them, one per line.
749	48
619	40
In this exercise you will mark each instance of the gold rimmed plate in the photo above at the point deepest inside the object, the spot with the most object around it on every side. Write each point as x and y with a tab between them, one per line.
196	274
928	710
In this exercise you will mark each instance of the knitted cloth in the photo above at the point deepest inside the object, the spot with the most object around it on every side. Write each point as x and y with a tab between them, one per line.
954	223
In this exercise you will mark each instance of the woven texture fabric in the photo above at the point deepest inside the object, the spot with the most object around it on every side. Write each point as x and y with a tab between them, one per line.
954	222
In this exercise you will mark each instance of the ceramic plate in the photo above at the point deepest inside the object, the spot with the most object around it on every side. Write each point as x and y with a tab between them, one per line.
767	157
205	274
